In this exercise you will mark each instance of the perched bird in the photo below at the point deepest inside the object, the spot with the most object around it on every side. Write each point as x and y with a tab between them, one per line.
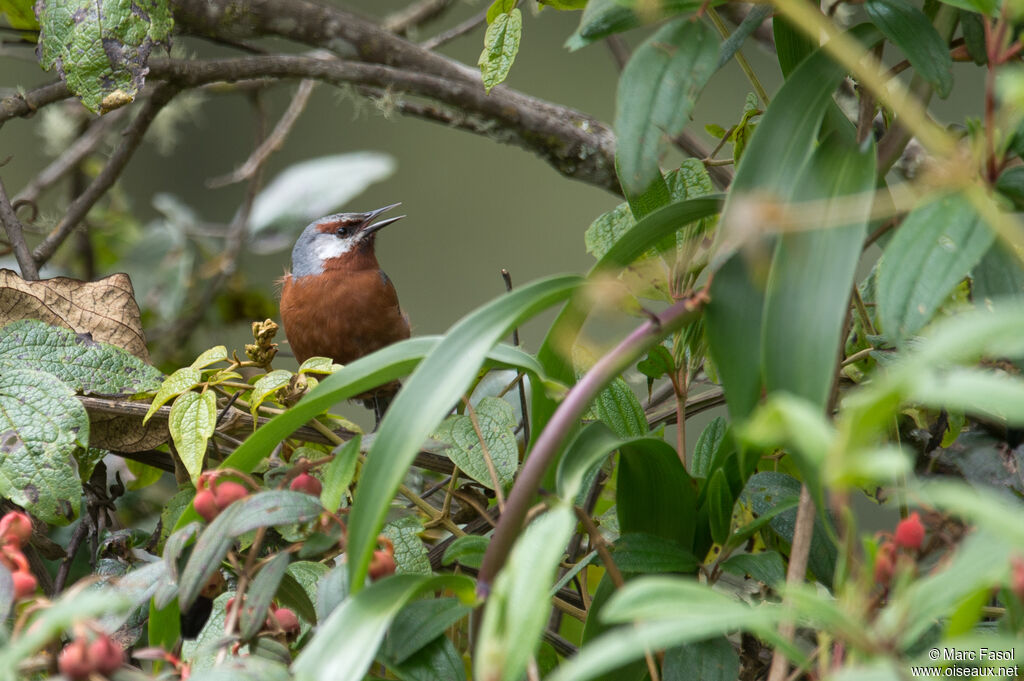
336	302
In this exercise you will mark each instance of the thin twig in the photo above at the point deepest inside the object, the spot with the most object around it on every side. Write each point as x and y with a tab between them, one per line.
72	156
796	574
16	237
272	143
454	32
522	379
133	135
74	544
415	15
619	49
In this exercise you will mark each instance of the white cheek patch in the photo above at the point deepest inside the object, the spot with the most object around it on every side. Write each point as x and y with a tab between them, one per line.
328	247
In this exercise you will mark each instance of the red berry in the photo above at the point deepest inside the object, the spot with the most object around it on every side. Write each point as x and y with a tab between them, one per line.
910	532
229	492
24	584
382	565
287	620
885	564
106	655
13	559
304	482
1017	577
74	661
206	505
16	528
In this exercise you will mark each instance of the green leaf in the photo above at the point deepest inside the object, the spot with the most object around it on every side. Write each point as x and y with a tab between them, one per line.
707	444
318	365
419	623
1011	185
657	91
719	504
654	494
347	641
712	660
500	7
100	49
602	18
264	509
468	550
501	43
564	4
791	44
260	594
339	473
265	386
908	28
19	13
998	274
410	554
813	271
298	588
425	399
42	423
497	422
783	141
215	354
437	660
766	567
987	394
180	381
986	7
939	242
974	36
85	365
192	422
518	606
618	407
646	553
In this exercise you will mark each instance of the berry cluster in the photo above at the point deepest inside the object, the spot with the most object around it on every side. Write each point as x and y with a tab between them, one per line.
80	658
213	496
906	540
15	531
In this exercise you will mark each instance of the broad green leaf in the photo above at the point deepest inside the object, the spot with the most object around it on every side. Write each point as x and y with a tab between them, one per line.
346	642
318	365
100	49
719	505
339	473
974	36
714	659
908	28
998	274
518	606
41	425
500	7
654	494
299	586
707	444
468	550
602	18
939	242
813	270
1011	185
501	43
657	91
497	423
672	611
19	13
647	553
618	407
437	383
192	422
215	354
265	509
437	660
87	366
180	381
766	567
791	44
783	141
987	394
419	623
265	386
410	553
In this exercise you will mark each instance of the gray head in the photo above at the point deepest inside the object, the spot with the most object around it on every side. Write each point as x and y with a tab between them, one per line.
336	236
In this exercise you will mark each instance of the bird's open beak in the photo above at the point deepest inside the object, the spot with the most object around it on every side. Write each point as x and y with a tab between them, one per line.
368	228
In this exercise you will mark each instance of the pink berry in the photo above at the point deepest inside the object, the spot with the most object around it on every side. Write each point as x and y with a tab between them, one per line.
206	505
229	492
16	528
910	532
304	482
106	655
74	661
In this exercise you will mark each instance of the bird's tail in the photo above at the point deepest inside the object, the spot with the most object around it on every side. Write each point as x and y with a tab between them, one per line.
379	400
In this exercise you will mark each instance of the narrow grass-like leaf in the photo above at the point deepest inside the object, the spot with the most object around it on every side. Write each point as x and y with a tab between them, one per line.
908	28
939	242
712	660
518	606
347	641
419	623
427	397
339	473
657	91
719	504
654	494
812	271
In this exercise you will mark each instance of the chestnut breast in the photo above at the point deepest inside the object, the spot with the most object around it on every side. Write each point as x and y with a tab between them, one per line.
341	313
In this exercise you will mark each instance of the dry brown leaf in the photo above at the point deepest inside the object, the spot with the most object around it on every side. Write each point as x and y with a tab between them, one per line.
105	309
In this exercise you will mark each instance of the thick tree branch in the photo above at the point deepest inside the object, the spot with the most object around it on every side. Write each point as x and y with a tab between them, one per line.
78	209
577	145
22	105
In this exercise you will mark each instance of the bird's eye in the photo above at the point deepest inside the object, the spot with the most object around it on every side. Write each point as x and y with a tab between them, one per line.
344	232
